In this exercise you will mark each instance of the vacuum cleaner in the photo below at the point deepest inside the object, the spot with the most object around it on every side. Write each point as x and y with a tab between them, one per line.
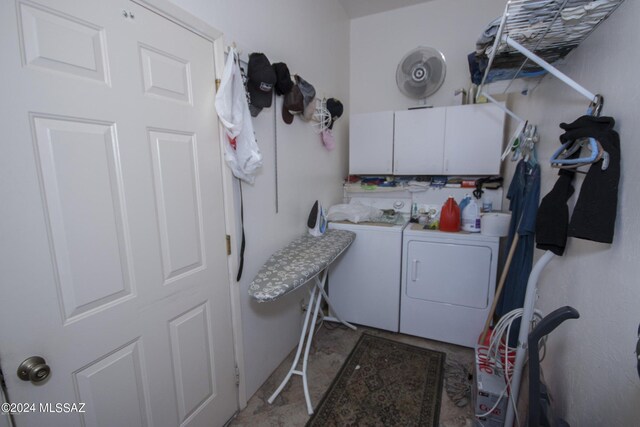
540	409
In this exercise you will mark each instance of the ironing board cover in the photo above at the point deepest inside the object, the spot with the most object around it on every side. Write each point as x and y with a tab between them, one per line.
293	266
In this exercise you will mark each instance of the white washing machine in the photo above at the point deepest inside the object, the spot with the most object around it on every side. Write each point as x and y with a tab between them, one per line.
364	283
448	283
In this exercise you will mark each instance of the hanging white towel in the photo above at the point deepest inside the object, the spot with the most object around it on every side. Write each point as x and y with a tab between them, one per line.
241	150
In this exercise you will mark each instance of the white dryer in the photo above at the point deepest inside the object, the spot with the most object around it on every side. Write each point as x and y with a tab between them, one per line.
364	283
448	283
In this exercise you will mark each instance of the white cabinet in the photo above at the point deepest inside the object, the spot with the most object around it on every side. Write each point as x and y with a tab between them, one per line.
473	142
419	137
371	143
458	140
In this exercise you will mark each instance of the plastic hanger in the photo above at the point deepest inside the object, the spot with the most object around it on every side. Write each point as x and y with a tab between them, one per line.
560	158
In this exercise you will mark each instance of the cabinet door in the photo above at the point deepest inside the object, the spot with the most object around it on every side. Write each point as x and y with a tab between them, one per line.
448	273
473	136
418	147
371	143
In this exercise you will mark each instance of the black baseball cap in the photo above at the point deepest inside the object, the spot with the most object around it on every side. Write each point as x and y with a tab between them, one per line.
335	109
283	78
260	81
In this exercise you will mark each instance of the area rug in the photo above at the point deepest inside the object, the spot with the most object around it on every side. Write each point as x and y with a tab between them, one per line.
384	383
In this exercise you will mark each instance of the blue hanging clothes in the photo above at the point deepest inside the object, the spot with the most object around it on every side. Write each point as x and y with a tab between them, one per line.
524	196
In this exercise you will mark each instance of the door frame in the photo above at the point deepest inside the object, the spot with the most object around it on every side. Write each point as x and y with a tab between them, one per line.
192	23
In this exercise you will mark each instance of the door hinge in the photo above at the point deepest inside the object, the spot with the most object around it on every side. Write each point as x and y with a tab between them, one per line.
237	375
217	85
228	241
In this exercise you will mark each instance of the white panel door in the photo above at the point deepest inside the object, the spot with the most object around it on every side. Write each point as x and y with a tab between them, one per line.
418	146
371	143
112	248
473	135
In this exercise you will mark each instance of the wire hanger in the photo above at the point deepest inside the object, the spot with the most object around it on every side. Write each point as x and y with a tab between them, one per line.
523	146
528	146
561	158
514	142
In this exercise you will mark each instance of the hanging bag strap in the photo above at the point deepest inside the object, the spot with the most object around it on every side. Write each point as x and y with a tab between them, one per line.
242	245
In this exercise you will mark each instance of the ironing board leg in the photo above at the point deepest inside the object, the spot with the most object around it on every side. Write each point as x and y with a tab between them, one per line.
320	285
313	298
308	328
305	385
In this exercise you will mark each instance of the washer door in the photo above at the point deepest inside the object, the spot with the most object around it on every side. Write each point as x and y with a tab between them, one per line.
449	273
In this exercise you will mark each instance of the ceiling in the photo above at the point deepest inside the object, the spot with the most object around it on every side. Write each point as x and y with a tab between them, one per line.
358	8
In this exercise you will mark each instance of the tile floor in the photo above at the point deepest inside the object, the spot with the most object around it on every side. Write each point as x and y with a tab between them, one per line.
329	350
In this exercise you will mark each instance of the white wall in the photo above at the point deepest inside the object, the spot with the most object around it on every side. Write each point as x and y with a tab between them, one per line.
312	38
378	43
590	363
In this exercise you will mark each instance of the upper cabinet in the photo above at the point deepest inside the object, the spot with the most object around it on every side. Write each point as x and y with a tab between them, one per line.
474	136
371	143
459	140
418	147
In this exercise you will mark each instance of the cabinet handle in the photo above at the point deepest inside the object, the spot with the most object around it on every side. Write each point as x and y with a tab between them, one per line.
414	270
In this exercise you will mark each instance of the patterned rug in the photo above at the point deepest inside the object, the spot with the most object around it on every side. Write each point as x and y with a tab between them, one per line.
384	383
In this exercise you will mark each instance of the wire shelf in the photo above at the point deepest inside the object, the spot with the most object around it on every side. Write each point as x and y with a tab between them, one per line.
548	28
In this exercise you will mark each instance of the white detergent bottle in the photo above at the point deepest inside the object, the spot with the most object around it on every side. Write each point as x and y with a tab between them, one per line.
471	217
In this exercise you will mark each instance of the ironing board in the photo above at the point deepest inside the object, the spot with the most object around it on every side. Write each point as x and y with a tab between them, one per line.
305	258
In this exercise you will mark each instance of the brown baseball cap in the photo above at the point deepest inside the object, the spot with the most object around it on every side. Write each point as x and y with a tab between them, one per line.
293	104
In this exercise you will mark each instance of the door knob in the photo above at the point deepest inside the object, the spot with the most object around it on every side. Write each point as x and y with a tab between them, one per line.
34	369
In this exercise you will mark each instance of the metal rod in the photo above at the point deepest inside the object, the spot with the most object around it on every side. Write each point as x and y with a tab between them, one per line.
275	145
551	69
502	107
494	52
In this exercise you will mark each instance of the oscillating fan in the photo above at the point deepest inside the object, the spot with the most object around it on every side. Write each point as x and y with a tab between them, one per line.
421	72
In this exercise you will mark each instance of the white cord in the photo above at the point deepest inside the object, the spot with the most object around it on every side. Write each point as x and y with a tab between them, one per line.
495	405
500	334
